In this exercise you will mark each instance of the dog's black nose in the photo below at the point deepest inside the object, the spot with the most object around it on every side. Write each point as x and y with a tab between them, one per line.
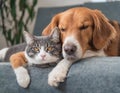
70	49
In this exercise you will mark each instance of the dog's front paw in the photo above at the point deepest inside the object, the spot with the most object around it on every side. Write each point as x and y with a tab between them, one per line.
56	76
22	76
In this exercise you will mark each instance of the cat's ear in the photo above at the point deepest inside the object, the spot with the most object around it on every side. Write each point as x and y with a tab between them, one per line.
29	38
55	34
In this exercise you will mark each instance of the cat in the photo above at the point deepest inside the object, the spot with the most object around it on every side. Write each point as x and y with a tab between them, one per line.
43	49
5	53
38	50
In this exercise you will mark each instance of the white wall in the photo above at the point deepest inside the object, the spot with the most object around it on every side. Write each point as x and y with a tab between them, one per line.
49	3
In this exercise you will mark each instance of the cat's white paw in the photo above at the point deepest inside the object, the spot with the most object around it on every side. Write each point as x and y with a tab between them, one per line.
56	76
22	76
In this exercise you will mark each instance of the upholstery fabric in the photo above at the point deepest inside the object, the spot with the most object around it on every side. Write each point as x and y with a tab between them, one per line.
91	75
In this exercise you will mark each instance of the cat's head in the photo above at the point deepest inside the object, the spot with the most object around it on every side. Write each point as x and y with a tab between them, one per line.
43	49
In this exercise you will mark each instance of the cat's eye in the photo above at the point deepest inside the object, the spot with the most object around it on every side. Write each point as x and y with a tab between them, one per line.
36	49
49	48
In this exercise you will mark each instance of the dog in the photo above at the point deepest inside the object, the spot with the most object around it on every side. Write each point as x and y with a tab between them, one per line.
84	33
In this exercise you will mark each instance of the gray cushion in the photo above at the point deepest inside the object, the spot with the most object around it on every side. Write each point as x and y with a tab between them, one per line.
91	75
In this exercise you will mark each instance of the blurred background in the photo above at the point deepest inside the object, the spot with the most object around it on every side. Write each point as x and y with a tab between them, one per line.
19	15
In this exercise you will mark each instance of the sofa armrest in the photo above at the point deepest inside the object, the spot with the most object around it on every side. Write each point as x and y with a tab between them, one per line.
91	75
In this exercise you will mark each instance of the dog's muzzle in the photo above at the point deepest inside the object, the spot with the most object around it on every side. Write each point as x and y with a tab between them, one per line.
70	49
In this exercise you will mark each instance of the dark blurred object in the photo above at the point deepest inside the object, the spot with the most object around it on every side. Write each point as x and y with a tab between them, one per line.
1	1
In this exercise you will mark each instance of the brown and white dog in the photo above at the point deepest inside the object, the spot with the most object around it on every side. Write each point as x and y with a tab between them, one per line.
84	33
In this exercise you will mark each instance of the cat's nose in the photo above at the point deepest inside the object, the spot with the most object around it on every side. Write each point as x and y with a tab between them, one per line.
43	56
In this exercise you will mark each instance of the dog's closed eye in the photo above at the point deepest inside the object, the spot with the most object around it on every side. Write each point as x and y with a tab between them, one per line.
62	29
83	27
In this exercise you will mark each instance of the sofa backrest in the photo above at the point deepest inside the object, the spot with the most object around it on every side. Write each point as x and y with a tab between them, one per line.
44	15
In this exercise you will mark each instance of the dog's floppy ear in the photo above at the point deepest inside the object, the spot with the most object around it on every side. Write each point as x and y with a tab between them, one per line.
54	23
103	30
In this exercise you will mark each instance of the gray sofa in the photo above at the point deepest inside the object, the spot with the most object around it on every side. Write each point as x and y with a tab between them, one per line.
90	75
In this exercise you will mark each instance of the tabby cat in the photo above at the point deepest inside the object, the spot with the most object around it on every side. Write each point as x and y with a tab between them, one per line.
38	50
43	49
